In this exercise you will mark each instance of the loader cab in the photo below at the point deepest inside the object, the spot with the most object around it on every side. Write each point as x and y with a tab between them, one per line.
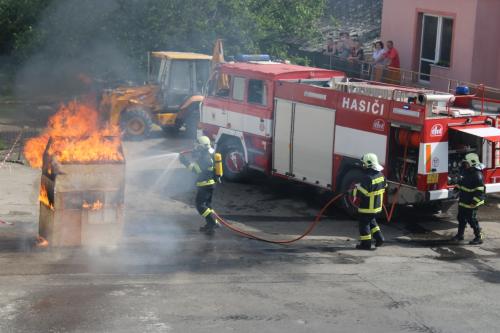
180	75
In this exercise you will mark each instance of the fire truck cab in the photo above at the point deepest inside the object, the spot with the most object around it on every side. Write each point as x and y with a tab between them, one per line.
239	109
312	125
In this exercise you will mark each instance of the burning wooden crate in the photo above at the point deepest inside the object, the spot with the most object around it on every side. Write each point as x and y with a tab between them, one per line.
81	196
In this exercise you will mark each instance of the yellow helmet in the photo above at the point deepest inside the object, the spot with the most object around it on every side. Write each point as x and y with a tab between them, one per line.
472	159
370	160
203	142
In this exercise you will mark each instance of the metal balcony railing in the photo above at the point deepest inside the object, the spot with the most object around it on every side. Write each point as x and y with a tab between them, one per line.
368	71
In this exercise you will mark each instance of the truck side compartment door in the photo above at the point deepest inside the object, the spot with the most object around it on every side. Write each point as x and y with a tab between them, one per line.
312	144
282	141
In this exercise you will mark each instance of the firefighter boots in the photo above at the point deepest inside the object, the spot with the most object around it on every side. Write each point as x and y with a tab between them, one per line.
364	245
377	236
478	239
457	238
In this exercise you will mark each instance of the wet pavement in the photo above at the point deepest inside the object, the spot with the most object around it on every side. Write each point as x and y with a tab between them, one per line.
164	276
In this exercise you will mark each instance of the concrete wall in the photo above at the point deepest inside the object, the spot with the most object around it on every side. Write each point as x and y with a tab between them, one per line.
400	23
486	57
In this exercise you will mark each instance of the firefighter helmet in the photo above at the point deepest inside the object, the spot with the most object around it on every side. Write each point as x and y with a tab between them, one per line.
370	160
473	160
203	142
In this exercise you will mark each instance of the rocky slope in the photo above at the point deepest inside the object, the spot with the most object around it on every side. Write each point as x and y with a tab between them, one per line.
358	17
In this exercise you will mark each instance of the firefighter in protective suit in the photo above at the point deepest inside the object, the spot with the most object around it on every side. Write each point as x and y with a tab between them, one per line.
471	196
370	192
204	166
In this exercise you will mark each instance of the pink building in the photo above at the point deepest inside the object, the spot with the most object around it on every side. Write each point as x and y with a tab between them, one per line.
455	39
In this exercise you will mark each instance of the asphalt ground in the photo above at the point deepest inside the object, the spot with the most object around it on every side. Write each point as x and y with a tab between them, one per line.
164	276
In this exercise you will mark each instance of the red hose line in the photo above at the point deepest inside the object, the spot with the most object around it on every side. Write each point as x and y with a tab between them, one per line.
403	173
317	219
311	227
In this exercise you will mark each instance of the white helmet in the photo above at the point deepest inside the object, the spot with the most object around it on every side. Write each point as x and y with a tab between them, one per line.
203	142
370	160
473	160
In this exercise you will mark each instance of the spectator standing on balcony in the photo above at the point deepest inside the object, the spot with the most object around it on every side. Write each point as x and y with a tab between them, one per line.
357	53
378	53
378	60
344	46
356	59
331	47
392	56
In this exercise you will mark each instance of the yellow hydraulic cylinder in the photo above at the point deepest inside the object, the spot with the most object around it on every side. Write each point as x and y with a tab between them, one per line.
218	164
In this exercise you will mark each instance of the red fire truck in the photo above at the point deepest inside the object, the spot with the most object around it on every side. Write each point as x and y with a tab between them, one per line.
313	125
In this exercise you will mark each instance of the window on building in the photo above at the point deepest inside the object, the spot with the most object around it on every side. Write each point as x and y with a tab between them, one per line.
238	88
257	92
436	40
445	47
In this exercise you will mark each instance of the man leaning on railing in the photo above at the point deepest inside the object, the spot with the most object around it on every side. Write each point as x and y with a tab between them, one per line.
393	74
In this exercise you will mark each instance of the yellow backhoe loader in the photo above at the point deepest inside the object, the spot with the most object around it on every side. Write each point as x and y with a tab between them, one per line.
171	99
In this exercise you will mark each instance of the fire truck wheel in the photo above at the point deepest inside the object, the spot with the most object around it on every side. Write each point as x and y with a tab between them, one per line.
233	161
348	202
136	124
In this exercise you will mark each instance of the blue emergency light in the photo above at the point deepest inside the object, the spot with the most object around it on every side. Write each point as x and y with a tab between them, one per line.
252	57
462	90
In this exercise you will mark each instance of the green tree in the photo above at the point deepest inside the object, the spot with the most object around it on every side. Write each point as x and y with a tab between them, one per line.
67	26
280	23
18	19
93	36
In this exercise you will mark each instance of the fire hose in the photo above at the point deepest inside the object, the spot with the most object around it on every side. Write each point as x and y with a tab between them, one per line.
317	219
311	227
401	178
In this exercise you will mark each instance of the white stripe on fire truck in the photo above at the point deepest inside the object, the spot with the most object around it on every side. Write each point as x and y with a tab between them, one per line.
404	112
315	95
236	121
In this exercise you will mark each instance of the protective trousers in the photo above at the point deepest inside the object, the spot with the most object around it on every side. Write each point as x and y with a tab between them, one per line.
468	215
369	228
204	203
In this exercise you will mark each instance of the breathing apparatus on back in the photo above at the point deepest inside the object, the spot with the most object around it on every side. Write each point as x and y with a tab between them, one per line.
203	144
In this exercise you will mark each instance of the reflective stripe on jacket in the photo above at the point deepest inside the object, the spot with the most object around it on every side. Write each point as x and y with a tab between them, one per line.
472	189
203	166
371	191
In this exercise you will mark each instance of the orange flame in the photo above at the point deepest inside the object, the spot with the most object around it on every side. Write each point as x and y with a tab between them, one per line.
94	206
77	138
43	197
